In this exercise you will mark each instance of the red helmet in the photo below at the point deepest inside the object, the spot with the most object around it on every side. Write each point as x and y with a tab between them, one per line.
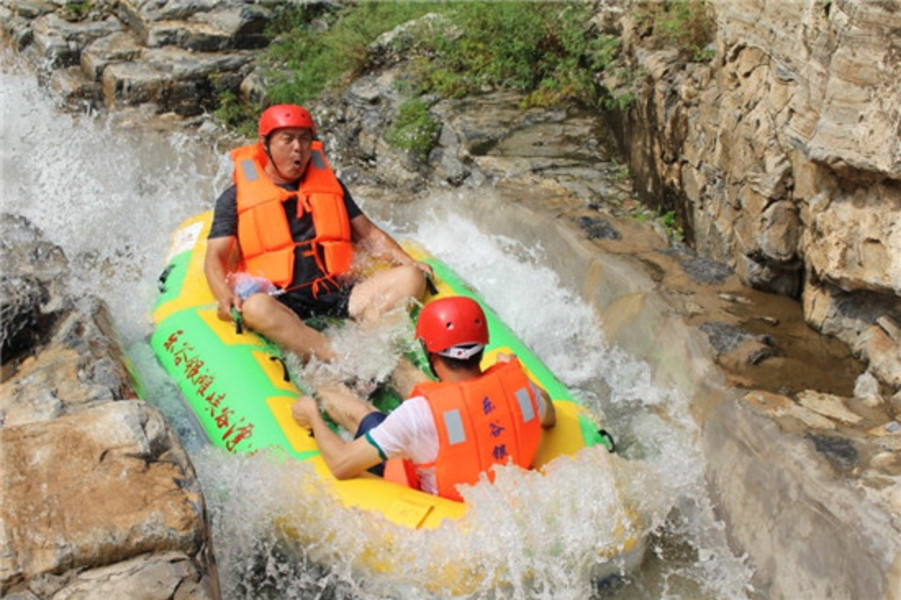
454	327
279	116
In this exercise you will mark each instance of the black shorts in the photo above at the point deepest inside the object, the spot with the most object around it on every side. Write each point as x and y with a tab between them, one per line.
327	304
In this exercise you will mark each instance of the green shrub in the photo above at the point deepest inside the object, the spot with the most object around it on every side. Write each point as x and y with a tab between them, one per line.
414	129
236	114
77	10
543	49
687	25
540	48
303	61
669	221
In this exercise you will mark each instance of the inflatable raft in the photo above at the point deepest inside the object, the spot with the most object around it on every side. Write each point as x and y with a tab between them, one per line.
239	389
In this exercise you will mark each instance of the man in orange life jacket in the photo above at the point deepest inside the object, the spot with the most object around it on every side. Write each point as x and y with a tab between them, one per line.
448	431
288	219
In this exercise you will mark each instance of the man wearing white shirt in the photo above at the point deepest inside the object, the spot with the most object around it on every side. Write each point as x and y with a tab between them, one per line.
449	431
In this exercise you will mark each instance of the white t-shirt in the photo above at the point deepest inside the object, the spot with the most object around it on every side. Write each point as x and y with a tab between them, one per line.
409	432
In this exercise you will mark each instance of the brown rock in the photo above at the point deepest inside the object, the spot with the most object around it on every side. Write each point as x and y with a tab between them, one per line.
95	488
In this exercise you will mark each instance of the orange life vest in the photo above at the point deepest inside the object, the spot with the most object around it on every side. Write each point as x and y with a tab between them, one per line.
264	233
481	423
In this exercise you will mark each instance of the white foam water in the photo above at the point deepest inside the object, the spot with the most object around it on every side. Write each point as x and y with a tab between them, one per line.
111	197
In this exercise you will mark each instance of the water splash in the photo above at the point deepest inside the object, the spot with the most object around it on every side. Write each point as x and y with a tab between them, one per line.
528	536
665	480
111	198
531	301
558	523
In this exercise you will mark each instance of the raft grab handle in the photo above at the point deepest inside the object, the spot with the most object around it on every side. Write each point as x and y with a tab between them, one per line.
239	321
285	374
431	286
161	280
608	440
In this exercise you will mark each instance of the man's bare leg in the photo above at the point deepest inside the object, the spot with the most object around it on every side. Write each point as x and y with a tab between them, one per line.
372	298
406	376
278	323
368	301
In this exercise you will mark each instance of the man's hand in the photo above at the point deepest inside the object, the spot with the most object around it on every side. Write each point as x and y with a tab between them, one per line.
215	269
303	411
426	268
344	459
225	305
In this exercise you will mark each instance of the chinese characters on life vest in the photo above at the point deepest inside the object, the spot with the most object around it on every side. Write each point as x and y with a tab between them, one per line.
184	355
499	451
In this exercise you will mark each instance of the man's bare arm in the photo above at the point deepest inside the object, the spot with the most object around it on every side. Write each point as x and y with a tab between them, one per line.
215	267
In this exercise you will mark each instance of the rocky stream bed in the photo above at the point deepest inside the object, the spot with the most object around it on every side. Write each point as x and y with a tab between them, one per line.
800	430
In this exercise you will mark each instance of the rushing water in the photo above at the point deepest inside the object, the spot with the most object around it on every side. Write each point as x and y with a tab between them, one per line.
111	197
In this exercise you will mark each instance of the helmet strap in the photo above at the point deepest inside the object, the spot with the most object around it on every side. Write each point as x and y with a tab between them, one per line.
272	160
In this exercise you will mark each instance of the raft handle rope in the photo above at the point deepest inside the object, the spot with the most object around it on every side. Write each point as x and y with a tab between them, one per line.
431	286
285	375
608	440
161	281
239	321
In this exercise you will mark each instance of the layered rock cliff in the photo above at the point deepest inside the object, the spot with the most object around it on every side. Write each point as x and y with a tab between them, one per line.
782	155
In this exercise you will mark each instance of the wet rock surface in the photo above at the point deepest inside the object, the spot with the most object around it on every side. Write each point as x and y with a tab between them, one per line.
99	498
800	427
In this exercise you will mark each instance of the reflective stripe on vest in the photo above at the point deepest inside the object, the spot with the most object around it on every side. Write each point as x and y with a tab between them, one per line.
453	424
525	404
249	170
